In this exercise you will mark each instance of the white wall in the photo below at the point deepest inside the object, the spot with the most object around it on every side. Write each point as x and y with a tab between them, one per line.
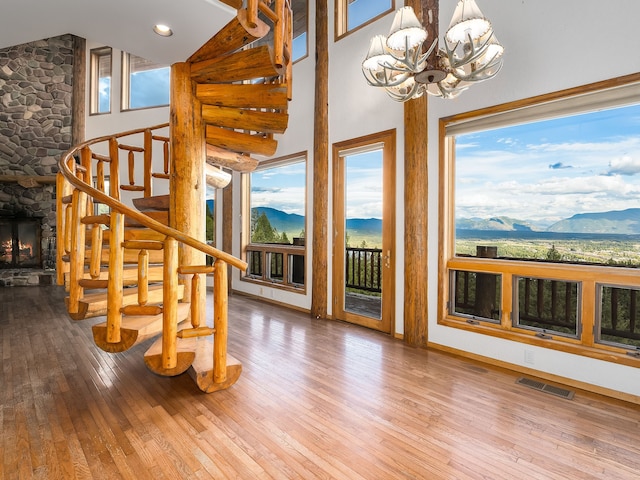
549	46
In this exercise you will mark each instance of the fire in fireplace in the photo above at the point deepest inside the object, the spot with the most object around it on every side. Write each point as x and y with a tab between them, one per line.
20	243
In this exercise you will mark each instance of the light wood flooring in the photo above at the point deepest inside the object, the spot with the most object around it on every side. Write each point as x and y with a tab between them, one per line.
317	399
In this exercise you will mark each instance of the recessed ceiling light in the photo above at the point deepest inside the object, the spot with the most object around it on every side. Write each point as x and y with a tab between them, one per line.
163	30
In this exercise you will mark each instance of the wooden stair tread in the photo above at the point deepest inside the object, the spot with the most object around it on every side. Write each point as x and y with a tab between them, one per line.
135	329
201	369
240	142
262	95
155	203
245	119
186	356
247	64
231	160
94	304
234	35
130	274
162	217
135	233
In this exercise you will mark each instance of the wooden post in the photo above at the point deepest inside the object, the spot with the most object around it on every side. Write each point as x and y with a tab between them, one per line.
220	321
115	282
170	304
78	93
77	250
188	186
227	226
320	166
415	199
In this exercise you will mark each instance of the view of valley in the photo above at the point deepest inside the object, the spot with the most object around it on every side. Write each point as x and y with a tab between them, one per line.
611	238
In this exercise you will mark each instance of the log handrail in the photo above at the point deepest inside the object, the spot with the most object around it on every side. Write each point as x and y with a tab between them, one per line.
116	205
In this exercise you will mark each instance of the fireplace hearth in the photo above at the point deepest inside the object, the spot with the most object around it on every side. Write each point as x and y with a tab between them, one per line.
20	243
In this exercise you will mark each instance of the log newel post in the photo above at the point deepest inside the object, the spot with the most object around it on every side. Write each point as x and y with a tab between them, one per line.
188	186
416	198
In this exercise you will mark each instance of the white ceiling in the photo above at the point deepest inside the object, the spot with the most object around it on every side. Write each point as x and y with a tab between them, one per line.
122	24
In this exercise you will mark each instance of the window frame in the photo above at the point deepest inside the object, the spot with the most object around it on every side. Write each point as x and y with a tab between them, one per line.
341	20
267	250
615	92
125	84
95	55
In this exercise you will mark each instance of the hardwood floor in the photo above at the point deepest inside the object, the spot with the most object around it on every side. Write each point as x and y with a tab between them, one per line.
317	399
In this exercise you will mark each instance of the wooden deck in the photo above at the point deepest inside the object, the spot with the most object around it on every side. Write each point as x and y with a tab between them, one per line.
317	399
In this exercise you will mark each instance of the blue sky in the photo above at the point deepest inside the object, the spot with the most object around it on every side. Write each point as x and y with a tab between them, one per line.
359	11
282	188
550	170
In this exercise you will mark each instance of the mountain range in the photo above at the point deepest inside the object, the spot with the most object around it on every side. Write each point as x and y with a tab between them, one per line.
623	222
294	223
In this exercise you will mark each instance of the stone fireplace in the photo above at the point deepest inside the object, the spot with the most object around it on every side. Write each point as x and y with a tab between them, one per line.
20	243
36	121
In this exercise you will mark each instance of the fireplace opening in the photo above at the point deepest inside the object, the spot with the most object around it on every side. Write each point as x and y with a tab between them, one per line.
20	243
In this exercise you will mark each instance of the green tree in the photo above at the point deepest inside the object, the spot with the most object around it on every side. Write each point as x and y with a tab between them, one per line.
553	254
263	232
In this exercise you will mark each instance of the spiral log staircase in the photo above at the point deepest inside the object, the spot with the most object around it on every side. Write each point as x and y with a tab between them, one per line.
138	260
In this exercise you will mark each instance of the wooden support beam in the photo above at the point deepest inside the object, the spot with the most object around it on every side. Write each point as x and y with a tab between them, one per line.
320	236
416	266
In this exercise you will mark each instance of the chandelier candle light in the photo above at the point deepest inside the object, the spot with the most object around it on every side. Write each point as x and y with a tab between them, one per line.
470	53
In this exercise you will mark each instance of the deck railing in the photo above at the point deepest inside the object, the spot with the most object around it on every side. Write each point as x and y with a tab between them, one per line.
548	305
363	269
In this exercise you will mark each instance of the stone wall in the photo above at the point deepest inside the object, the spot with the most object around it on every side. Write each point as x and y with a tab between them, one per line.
36	81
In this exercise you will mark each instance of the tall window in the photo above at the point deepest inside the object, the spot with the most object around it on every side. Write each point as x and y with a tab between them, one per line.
100	80
144	83
275	211
541	220
354	14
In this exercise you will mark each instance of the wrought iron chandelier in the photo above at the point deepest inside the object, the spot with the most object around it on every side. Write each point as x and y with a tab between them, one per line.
470	53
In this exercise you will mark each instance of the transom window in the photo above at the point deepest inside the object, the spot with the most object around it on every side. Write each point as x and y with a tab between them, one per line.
100	74
541	222
145	83
354	14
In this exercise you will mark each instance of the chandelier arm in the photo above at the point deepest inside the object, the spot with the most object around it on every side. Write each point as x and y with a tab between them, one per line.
473	76
476	51
388	72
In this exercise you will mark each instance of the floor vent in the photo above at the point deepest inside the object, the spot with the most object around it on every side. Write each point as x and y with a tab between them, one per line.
543	387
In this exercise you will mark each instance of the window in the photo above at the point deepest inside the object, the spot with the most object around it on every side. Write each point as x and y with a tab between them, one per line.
145	83
540	215
275	199
354	14
100	81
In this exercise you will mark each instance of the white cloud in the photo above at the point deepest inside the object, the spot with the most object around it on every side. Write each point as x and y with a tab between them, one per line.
624	166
